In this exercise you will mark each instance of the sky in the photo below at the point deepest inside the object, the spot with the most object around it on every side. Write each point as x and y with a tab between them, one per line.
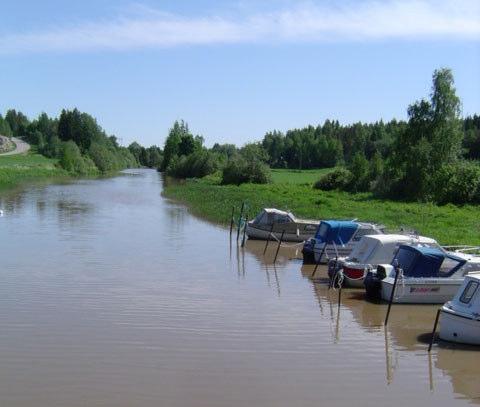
233	69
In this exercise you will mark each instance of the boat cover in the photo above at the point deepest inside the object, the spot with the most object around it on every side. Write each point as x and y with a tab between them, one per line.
335	231
427	262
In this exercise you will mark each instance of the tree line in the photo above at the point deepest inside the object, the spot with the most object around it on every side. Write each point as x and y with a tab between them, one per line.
433	156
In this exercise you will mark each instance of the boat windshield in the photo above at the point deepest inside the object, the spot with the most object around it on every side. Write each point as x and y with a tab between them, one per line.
448	266
469	292
269	218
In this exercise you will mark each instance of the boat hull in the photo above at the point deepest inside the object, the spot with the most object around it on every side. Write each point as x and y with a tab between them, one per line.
455	327
257	233
420	291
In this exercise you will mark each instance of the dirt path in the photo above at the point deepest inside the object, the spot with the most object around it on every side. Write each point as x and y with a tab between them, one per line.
21	146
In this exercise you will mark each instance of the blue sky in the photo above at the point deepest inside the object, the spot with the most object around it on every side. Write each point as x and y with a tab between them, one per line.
233	69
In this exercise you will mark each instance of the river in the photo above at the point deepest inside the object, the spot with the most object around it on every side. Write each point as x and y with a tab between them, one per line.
111	295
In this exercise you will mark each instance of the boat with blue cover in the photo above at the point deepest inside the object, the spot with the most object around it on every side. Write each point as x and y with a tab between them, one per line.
426	275
336	238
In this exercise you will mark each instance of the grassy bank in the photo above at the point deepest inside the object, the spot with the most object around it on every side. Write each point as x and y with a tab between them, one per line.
293	190
15	169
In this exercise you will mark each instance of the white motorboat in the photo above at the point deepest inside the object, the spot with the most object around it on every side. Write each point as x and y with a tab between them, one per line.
426	275
273	222
336	239
460	317
372	250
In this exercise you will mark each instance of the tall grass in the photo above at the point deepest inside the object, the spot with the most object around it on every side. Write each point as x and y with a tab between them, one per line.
15	169
448	224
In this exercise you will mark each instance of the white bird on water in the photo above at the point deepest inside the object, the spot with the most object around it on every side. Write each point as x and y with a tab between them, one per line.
1	213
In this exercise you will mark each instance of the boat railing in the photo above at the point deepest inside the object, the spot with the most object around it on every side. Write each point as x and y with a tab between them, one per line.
463	248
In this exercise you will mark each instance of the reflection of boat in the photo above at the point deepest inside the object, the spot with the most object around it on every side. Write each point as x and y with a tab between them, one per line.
372	250
426	275
336	238
460	318
276	221
462	368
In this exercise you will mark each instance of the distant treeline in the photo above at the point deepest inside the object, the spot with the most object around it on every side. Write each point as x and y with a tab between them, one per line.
434	156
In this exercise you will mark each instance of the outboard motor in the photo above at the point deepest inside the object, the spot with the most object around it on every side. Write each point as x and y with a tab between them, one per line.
307	251
373	283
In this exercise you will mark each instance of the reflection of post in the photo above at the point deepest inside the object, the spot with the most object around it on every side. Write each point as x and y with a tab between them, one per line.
430	372
238	260
387	358
243	263
337	327
277	281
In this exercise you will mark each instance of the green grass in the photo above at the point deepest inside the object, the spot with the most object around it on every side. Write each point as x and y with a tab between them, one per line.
15	169
298	176
448	224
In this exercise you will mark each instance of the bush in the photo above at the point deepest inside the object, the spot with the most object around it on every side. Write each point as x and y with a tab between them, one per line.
457	183
72	160
196	165
339	178
104	158
239	170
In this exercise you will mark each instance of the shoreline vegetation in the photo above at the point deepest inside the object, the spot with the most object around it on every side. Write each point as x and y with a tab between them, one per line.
21	168
293	191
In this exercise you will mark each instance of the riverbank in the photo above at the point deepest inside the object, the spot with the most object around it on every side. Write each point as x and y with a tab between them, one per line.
15	169
205	197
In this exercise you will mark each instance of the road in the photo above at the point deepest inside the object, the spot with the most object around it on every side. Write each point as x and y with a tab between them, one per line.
21	146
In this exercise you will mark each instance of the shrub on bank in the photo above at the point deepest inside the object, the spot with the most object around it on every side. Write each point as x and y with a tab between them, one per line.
196	165
339	178
457	183
239	170
71	160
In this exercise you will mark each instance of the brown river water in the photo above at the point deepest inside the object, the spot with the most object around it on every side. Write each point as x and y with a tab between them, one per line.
111	295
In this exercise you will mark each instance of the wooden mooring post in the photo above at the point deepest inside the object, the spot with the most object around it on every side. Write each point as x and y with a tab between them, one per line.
434	330
392	295
232	220
268	240
278	247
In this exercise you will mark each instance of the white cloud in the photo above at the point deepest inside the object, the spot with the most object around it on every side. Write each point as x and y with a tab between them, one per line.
309	22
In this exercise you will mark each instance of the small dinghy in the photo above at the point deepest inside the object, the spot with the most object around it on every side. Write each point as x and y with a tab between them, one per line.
370	251
460	317
426	275
335	239
273	222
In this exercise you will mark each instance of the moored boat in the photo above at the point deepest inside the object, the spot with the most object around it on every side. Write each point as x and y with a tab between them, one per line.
372	250
336	239
273	222
425	275
460	317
